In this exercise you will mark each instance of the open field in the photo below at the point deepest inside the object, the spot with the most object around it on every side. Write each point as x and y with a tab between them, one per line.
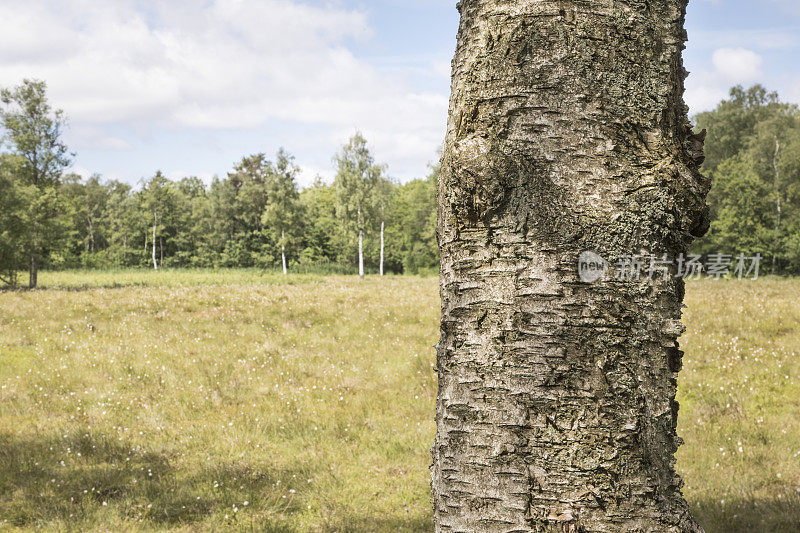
195	401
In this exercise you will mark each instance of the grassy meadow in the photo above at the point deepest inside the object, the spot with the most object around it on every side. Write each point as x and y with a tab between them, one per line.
200	400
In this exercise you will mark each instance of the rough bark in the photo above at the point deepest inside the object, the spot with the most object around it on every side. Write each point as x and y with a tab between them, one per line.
567	132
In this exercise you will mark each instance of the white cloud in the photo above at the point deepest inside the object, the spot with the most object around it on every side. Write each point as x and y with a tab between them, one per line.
701	98
230	64
737	65
81	171
730	66
218	65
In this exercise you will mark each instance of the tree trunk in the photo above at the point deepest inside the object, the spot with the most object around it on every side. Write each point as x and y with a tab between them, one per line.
33	267
382	226
361	253
33	272
283	251
778	206
91	235
155	264
567	133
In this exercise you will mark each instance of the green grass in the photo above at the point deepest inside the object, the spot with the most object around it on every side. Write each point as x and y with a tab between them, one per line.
121	278
199	400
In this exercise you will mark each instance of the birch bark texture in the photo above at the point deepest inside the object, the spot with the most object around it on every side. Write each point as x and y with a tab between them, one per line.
567	132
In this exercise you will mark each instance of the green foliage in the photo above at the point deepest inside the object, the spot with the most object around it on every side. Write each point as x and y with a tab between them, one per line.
357	179
15	223
252	218
257	212
32	134
412	232
753	157
33	131
323	236
282	216
245	221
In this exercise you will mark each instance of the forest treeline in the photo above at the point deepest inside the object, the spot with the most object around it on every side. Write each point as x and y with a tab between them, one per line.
257	216
753	157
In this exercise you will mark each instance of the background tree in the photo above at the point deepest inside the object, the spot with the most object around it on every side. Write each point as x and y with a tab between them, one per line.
776	164
282	213
251	179
15	213
158	202
567	133
32	130
323	239
730	126
89	203
188	239
412	228
754	158
382	198
356	179
124	227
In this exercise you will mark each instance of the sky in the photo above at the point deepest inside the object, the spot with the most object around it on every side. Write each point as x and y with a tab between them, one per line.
189	87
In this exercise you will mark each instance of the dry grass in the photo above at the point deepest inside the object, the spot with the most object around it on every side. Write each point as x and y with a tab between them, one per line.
198	401
740	405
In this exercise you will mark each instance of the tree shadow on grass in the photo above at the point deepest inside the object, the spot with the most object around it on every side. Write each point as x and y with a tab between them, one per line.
748	515
101	475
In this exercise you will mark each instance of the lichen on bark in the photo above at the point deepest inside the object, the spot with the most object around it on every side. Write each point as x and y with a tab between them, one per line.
567	132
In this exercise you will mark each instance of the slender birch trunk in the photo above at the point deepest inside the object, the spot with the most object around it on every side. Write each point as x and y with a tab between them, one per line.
778	206
155	264
382	226
360	246
361	253
33	268
283	251
33	272
91	235
567	132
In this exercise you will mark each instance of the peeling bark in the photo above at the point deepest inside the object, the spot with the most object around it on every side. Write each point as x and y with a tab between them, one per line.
567	132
